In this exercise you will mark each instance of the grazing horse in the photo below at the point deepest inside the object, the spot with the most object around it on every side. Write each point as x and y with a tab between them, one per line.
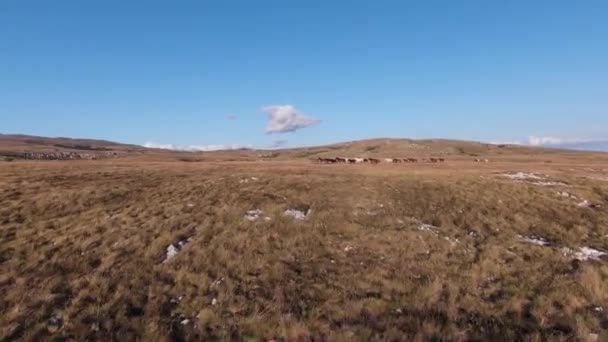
326	160
340	160
374	161
396	160
359	160
388	160
434	160
441	160
352	160
413	160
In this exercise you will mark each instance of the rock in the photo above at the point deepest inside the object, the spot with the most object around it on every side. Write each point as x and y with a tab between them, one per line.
296	214
13	332
588	253
66	155
253	215
587	204
54	324
534	239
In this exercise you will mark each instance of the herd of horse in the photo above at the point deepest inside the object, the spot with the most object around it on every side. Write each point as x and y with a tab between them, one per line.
340	160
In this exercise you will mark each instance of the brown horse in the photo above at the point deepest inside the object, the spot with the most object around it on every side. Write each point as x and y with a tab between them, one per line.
326	160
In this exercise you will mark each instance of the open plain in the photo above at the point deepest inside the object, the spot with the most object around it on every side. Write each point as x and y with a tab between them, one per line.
242	246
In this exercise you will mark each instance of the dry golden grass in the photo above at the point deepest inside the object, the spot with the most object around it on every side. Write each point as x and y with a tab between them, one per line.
82	245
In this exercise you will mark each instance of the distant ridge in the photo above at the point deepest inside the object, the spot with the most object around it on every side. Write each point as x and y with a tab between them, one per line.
381	147
31	143
600	145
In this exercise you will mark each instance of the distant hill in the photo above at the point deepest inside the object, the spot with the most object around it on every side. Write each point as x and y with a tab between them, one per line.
408	147
375	148
17	143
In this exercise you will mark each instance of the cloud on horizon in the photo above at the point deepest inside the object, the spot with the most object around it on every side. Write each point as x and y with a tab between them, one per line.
541	141
570	143
198	148
286	118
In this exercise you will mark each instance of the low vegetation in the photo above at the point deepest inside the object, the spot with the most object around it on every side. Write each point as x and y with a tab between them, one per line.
372	148
162	250
82	147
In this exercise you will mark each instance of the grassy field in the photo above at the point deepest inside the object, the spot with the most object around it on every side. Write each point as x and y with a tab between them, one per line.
457	251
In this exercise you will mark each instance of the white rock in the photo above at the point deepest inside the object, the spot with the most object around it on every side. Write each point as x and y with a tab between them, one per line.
523	176
567	251
587	204
253	215
537	240
173	249
587	253
549	183
532	178
171	252
452	242
296	214
427	228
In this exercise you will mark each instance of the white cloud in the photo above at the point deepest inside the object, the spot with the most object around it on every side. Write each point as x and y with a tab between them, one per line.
588	144
161	146
286	118
194	148
571	143
540	141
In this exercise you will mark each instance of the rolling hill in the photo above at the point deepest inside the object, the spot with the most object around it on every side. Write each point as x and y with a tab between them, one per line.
29	143
16	145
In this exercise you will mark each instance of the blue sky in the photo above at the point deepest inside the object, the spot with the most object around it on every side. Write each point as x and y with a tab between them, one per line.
214	72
